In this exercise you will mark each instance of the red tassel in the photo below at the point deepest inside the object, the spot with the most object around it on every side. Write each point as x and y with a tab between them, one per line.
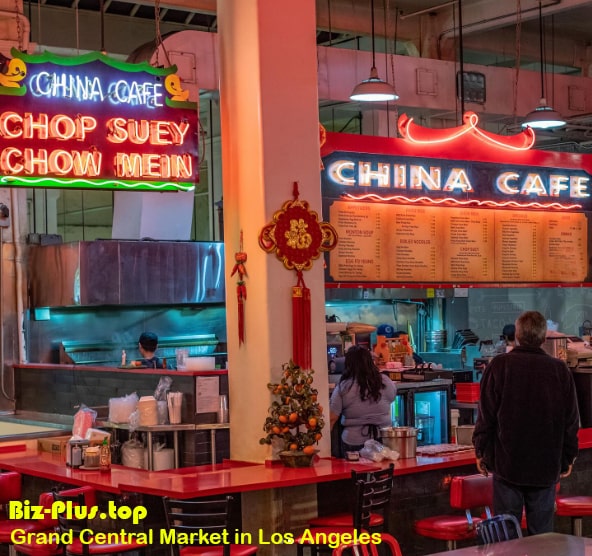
241	294
301	334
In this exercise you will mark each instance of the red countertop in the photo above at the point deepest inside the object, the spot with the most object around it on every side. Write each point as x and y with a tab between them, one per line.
230	476
205	480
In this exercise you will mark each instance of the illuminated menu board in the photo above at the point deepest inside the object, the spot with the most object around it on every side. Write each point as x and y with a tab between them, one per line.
395	243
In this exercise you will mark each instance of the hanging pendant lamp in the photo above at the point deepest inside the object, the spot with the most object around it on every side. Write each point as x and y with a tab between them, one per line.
543	116
373	89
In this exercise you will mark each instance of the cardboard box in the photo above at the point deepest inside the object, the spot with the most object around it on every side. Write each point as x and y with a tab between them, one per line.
54	445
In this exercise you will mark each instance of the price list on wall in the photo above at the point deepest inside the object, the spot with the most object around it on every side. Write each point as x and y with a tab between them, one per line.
469	245
400	243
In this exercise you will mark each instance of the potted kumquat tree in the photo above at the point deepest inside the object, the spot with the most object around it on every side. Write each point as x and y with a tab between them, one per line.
296	418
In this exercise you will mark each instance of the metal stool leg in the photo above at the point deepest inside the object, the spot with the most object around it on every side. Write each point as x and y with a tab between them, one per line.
576	526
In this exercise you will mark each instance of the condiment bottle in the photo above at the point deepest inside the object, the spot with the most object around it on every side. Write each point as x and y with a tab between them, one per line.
105	456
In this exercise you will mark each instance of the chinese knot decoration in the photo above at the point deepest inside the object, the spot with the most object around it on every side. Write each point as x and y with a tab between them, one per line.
239	268
298	238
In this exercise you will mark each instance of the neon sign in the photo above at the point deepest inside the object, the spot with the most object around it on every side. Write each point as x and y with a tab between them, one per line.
435	177
94	122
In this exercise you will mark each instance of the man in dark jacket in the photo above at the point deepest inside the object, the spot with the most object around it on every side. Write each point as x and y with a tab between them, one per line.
526	432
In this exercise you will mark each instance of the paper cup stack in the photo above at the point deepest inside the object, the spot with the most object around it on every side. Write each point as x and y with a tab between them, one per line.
175	401
147	408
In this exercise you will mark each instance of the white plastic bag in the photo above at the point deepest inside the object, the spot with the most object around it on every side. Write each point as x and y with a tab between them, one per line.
373	450
132	454
120	409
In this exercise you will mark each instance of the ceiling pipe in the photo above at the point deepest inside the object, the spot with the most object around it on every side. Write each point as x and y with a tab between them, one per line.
479	24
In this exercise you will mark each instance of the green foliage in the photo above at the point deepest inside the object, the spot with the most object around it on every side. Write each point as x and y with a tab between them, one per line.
296	416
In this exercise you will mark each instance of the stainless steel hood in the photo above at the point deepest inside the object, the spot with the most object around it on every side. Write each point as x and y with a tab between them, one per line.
113	272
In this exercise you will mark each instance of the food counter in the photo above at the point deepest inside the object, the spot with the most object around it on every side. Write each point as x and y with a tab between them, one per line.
203	441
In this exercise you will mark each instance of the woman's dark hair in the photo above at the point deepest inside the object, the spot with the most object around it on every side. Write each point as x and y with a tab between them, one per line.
360	368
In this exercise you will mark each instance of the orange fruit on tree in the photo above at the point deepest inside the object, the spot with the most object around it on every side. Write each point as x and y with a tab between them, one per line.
293	447
308	450
276	430
312	422
293	417
283	418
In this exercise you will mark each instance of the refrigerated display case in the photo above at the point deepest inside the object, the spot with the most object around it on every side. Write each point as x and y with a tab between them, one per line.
425	406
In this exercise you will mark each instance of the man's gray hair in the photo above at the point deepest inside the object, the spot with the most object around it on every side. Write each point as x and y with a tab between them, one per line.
531	329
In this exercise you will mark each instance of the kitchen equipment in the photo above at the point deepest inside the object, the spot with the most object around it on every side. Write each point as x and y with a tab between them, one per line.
487	348
200	363
556	345
181	355
435	340
400	439
464	435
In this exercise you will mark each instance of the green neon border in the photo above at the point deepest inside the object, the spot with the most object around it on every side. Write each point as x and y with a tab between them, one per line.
127	67
76	183
89	57
14	91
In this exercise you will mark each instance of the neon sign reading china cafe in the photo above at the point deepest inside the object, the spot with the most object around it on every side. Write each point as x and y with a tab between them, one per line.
424	167
94	122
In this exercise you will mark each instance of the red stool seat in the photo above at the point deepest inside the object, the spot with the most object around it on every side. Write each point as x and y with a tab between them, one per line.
91	547
235	550
35	548
575	507
7	526
466	493
447	527
318	534
344	520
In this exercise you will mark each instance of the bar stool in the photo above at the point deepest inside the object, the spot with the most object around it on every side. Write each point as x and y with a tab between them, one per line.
383	485
466	493
576	507
203	516
372	496
10	490
388	547
91	546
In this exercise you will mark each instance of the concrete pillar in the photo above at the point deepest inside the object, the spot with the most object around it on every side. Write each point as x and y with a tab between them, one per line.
270	139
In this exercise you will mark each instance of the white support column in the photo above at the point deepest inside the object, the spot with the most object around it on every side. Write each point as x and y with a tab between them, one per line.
270	139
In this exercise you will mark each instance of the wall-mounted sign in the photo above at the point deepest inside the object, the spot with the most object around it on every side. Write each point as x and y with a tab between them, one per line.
92	122
418	210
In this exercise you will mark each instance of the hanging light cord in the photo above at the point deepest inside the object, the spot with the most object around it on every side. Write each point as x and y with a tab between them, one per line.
541	49
159	41
517	55
372	28
461	61
102	11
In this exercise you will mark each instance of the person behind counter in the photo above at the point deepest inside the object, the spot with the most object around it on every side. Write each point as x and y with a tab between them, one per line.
147	346
509	336
362	400
527	427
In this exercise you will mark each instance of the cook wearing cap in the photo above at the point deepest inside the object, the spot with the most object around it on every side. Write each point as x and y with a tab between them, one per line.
509	334
147	345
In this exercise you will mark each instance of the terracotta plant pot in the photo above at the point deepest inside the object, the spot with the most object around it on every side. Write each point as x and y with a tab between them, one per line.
293	458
